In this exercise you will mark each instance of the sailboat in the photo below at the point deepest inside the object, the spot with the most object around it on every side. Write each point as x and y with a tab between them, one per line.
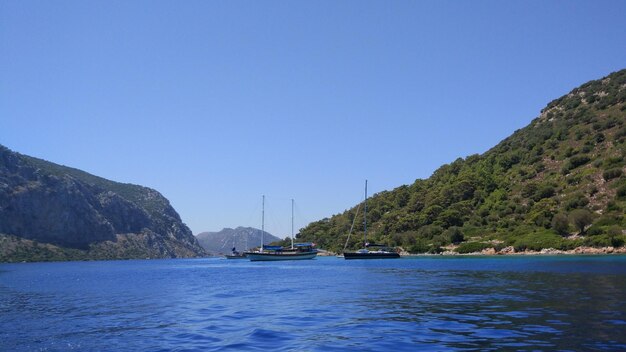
371	250
350	232
297	251
234	254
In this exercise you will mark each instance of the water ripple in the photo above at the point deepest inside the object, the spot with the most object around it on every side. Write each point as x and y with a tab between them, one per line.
434	304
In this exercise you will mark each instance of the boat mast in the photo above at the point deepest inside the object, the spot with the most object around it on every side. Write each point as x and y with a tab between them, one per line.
365	218
292	223
263	223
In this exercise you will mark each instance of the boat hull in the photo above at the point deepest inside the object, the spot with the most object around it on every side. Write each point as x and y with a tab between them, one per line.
255	257
371	255
236	256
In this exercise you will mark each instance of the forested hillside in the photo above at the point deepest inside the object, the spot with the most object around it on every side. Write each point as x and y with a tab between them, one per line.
557	183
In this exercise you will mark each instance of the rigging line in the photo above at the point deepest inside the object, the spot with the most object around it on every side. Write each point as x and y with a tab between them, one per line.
252	218
351	227
279	197
300	219
276	218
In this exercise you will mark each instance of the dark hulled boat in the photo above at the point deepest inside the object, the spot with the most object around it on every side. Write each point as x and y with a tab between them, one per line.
274	253
377	251
381	252
298	251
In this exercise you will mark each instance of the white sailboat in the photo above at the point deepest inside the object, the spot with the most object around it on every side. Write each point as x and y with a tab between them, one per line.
234	253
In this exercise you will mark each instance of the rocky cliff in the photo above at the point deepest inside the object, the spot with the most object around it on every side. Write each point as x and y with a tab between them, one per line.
93	218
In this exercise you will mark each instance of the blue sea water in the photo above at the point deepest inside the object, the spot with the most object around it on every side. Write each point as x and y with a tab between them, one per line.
568	303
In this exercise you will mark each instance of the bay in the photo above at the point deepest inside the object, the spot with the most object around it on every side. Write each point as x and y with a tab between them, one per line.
327	304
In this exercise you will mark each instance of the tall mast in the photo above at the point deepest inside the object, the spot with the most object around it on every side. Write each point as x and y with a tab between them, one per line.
365	217
263	223
291	223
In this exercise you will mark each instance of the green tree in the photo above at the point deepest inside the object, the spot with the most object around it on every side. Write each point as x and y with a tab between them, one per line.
541	212
560	224
429	231
420	246
580	218
451	217
454	235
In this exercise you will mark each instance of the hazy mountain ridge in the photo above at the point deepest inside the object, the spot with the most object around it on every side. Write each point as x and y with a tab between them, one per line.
67	208
553	178
241	238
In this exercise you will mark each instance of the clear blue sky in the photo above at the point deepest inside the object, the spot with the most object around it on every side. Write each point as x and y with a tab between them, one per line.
214	103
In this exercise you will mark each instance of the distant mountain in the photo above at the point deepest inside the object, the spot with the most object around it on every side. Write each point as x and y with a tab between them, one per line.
54	212
558	183
241	238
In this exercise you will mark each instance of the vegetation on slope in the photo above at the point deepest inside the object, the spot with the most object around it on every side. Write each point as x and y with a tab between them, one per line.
562	175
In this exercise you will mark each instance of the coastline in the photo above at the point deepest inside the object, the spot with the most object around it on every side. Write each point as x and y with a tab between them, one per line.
546	251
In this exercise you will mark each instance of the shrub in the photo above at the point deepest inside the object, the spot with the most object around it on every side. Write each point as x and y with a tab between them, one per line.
612	173
595	230
537	241
560	224
613	161
573	179
574	162
471	247
609	220
614	230
598	241
615	236
529	189
435	250
617	241
599	138
576	200
545	191
578	160
420	246
613	206
429	231
572	244
440	241
454	235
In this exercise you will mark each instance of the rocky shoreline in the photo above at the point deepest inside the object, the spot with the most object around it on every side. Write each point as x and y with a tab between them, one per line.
546	251
510	250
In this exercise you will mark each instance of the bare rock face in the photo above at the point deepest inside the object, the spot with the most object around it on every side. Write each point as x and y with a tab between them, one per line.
489	251
507	250
69	208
